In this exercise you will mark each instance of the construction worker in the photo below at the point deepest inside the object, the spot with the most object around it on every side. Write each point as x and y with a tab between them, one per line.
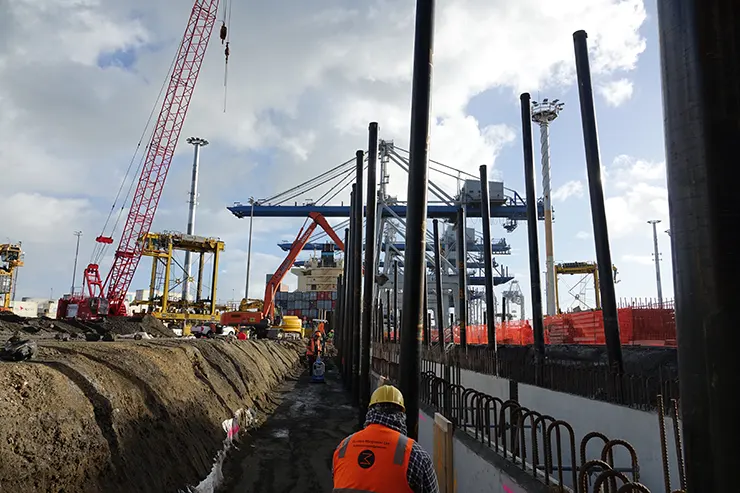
313	350
381	458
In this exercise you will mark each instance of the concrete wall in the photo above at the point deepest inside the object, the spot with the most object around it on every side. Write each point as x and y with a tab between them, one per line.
478	469
639	428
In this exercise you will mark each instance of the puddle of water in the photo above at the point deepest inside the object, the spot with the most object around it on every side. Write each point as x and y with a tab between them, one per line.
216	476
281	433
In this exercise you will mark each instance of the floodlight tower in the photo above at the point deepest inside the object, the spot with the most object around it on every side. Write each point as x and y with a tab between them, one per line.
197	142
543	114
655	222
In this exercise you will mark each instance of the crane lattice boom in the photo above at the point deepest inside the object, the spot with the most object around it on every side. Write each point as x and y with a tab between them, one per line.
159	155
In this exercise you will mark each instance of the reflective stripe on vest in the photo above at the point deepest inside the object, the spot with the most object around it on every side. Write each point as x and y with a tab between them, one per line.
374	460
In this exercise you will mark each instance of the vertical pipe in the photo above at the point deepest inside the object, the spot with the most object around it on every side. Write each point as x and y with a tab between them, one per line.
357	276
425	310
350	290
534	252
249	250
438	287
395	300
488	258
337	320
388	306
656	252
598	210
345	307
700	43
192	203
201	267
461	251
369	278
415	255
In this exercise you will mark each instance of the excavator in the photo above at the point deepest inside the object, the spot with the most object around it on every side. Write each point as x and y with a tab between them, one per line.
260	315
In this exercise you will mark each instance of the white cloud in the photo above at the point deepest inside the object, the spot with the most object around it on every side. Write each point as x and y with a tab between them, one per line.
584	235
636	193
303	83
567	190
616	92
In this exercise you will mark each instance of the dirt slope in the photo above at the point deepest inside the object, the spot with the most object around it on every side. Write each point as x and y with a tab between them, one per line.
142	416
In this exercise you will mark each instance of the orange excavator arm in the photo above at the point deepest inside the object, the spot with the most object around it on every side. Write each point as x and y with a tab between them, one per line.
268	309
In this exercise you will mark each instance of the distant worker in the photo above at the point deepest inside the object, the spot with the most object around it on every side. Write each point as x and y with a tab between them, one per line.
313	350
394	463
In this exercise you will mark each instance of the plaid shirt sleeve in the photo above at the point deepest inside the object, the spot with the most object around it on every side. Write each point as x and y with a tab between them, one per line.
421	475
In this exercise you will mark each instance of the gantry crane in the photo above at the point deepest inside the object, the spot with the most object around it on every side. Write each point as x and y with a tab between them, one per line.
11	257
514	295
263	318
159	154
582	268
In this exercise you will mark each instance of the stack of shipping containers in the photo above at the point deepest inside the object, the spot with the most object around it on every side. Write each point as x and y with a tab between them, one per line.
306	304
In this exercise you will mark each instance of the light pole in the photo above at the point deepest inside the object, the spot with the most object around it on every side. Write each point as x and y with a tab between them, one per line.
655	222
78	234
543	114
197	142
249	249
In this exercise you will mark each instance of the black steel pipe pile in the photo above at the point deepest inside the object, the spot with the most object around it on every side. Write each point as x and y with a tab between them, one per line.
485	203
700	64
534	251
438	286
388	306
461	252
598	209
396	317
337	322
349	294
416	218
369	278
357	276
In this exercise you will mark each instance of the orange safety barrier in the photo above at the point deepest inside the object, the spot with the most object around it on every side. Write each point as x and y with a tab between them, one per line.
638	327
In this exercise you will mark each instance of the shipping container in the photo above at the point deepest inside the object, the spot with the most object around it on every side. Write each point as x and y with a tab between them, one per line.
314	295
334	304
334	295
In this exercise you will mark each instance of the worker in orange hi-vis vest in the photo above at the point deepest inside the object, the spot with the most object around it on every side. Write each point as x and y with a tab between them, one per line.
313	350
381	458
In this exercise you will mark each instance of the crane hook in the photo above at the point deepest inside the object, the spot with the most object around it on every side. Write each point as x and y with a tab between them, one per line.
223	32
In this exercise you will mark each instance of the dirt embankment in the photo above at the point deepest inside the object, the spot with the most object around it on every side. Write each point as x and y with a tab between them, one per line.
46	328
141	416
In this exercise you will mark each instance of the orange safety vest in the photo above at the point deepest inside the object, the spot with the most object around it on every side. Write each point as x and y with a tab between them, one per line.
374	460
313	346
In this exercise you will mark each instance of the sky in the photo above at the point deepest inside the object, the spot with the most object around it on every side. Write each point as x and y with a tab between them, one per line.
79	78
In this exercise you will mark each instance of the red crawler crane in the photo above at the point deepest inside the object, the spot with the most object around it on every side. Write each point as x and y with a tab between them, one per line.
159	154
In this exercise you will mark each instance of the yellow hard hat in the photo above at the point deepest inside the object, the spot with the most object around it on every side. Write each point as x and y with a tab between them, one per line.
388	394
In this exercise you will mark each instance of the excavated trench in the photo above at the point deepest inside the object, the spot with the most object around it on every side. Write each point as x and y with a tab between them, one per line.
144	416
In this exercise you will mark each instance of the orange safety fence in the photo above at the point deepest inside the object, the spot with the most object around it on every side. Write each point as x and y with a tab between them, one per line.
637	326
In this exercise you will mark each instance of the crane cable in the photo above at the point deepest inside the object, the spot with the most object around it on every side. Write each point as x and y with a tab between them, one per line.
225	38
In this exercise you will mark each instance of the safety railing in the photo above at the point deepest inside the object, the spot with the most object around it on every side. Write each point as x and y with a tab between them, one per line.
539	444
590	380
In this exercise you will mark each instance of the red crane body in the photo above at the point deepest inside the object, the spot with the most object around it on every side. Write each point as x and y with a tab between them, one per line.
159	154
267	315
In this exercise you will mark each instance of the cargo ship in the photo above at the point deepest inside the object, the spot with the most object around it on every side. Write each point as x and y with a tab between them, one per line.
316	294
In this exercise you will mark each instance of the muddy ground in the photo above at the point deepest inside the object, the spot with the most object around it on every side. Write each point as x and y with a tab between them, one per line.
142	416
48	328
292	451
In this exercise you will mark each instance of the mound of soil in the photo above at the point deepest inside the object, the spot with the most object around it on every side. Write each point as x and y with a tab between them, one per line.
45	328
141	416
